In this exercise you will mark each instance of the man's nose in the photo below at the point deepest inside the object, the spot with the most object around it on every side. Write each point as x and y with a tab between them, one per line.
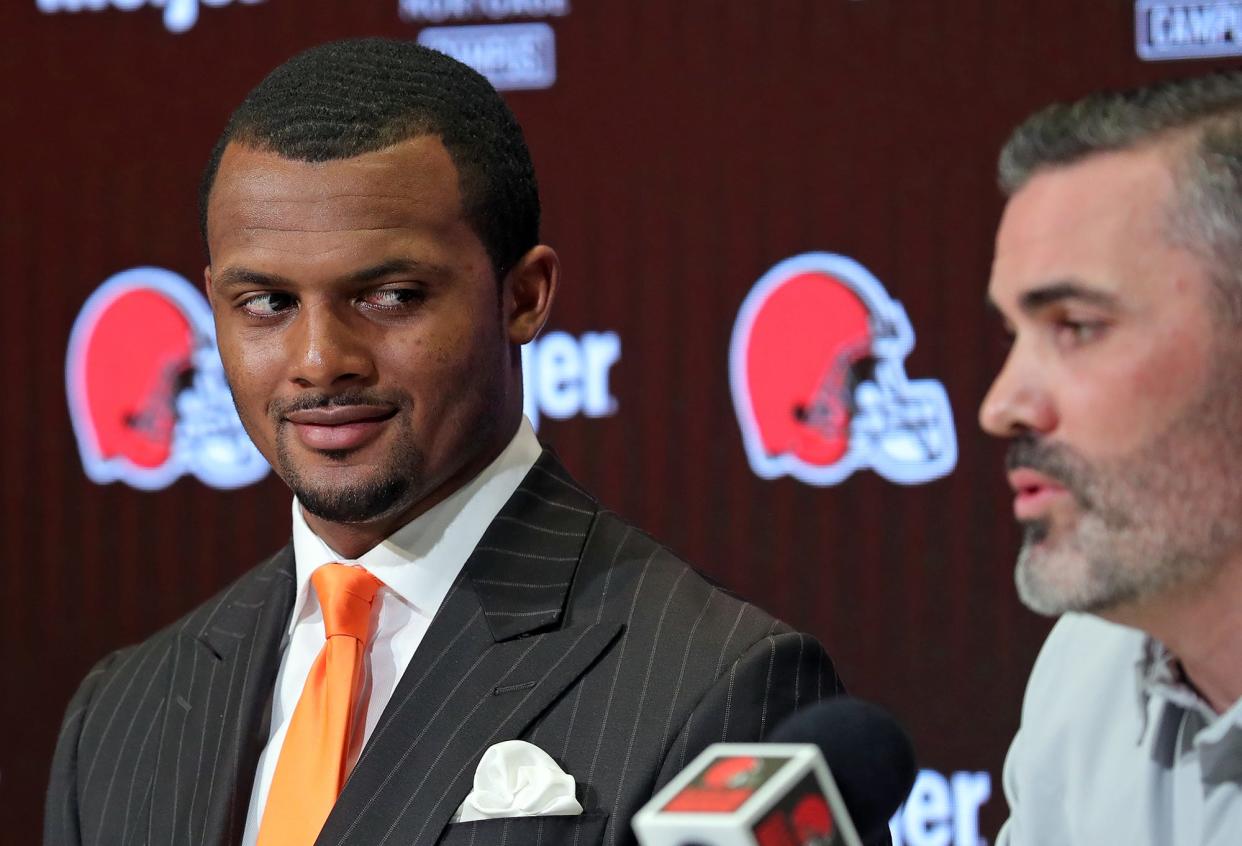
326	349
1018	401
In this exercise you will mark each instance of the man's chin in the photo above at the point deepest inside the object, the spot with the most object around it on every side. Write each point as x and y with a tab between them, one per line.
352	500
1053	580
1048	582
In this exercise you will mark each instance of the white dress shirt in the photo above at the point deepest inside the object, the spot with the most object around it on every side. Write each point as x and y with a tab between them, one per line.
417	564
1116	748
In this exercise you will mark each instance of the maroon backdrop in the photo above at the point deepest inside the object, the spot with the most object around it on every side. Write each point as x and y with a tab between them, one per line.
684	149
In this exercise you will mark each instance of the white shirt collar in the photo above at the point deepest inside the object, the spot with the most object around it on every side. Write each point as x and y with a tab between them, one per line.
420	561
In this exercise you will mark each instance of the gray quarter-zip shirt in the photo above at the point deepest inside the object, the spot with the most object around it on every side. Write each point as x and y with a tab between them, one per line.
1116	748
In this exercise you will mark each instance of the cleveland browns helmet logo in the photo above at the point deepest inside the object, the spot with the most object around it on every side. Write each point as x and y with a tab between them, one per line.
146	388
816	367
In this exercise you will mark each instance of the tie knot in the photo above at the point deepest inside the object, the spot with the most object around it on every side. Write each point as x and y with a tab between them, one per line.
345	595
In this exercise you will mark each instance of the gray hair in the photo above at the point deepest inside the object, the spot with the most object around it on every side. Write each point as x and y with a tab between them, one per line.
1207	109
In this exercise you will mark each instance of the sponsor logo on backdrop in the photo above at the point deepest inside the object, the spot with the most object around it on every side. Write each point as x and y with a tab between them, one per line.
149	402
817	371
439	11
942	811
179	15
564	376
1187	30
513	57
146	388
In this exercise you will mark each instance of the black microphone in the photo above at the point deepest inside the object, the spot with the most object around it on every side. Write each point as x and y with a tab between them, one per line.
826	775
868	752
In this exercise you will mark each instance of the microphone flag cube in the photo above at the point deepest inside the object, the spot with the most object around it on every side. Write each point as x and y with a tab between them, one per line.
749	794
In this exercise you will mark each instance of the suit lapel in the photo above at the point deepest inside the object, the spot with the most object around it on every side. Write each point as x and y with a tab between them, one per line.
224	670
496	655
523	568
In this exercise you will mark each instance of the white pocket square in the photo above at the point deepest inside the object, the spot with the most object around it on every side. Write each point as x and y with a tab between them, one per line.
518	779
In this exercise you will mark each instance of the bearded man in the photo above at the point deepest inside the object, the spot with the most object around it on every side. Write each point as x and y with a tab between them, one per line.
1118	271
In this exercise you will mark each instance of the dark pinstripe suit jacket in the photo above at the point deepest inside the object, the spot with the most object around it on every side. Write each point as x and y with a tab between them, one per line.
567	628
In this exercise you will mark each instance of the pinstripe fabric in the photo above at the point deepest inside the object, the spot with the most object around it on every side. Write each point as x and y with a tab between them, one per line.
567	628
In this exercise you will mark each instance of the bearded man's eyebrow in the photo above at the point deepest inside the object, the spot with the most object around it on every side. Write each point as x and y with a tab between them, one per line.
1061	291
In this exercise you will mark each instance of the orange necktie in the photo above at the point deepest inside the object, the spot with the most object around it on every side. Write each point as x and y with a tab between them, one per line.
314	760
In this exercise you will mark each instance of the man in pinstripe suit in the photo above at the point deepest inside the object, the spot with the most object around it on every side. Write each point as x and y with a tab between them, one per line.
372	222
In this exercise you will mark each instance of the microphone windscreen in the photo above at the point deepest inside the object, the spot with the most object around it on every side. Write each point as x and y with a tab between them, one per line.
870	756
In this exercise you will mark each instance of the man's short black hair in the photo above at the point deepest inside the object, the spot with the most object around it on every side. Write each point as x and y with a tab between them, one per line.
346	98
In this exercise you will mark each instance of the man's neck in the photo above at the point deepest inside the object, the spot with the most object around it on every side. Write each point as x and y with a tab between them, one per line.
1201	625
353	540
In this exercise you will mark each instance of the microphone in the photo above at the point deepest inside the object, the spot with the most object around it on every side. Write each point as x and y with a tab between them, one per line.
868	752
828	774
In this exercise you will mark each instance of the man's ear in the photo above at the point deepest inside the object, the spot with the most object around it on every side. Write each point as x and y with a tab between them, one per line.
529	288
207	287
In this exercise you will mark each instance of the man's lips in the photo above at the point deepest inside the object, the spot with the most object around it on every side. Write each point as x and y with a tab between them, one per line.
1035	493
339	427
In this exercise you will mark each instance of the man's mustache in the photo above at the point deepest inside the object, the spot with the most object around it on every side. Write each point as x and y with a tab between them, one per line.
306	402
1056	462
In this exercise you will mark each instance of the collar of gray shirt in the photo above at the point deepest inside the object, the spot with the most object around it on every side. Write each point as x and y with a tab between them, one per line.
1177	719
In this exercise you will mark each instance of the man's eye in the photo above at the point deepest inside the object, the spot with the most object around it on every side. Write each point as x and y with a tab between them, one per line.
1077	332
394	297
267	304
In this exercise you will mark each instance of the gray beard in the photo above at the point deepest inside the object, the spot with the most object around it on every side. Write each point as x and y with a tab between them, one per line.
1167	515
